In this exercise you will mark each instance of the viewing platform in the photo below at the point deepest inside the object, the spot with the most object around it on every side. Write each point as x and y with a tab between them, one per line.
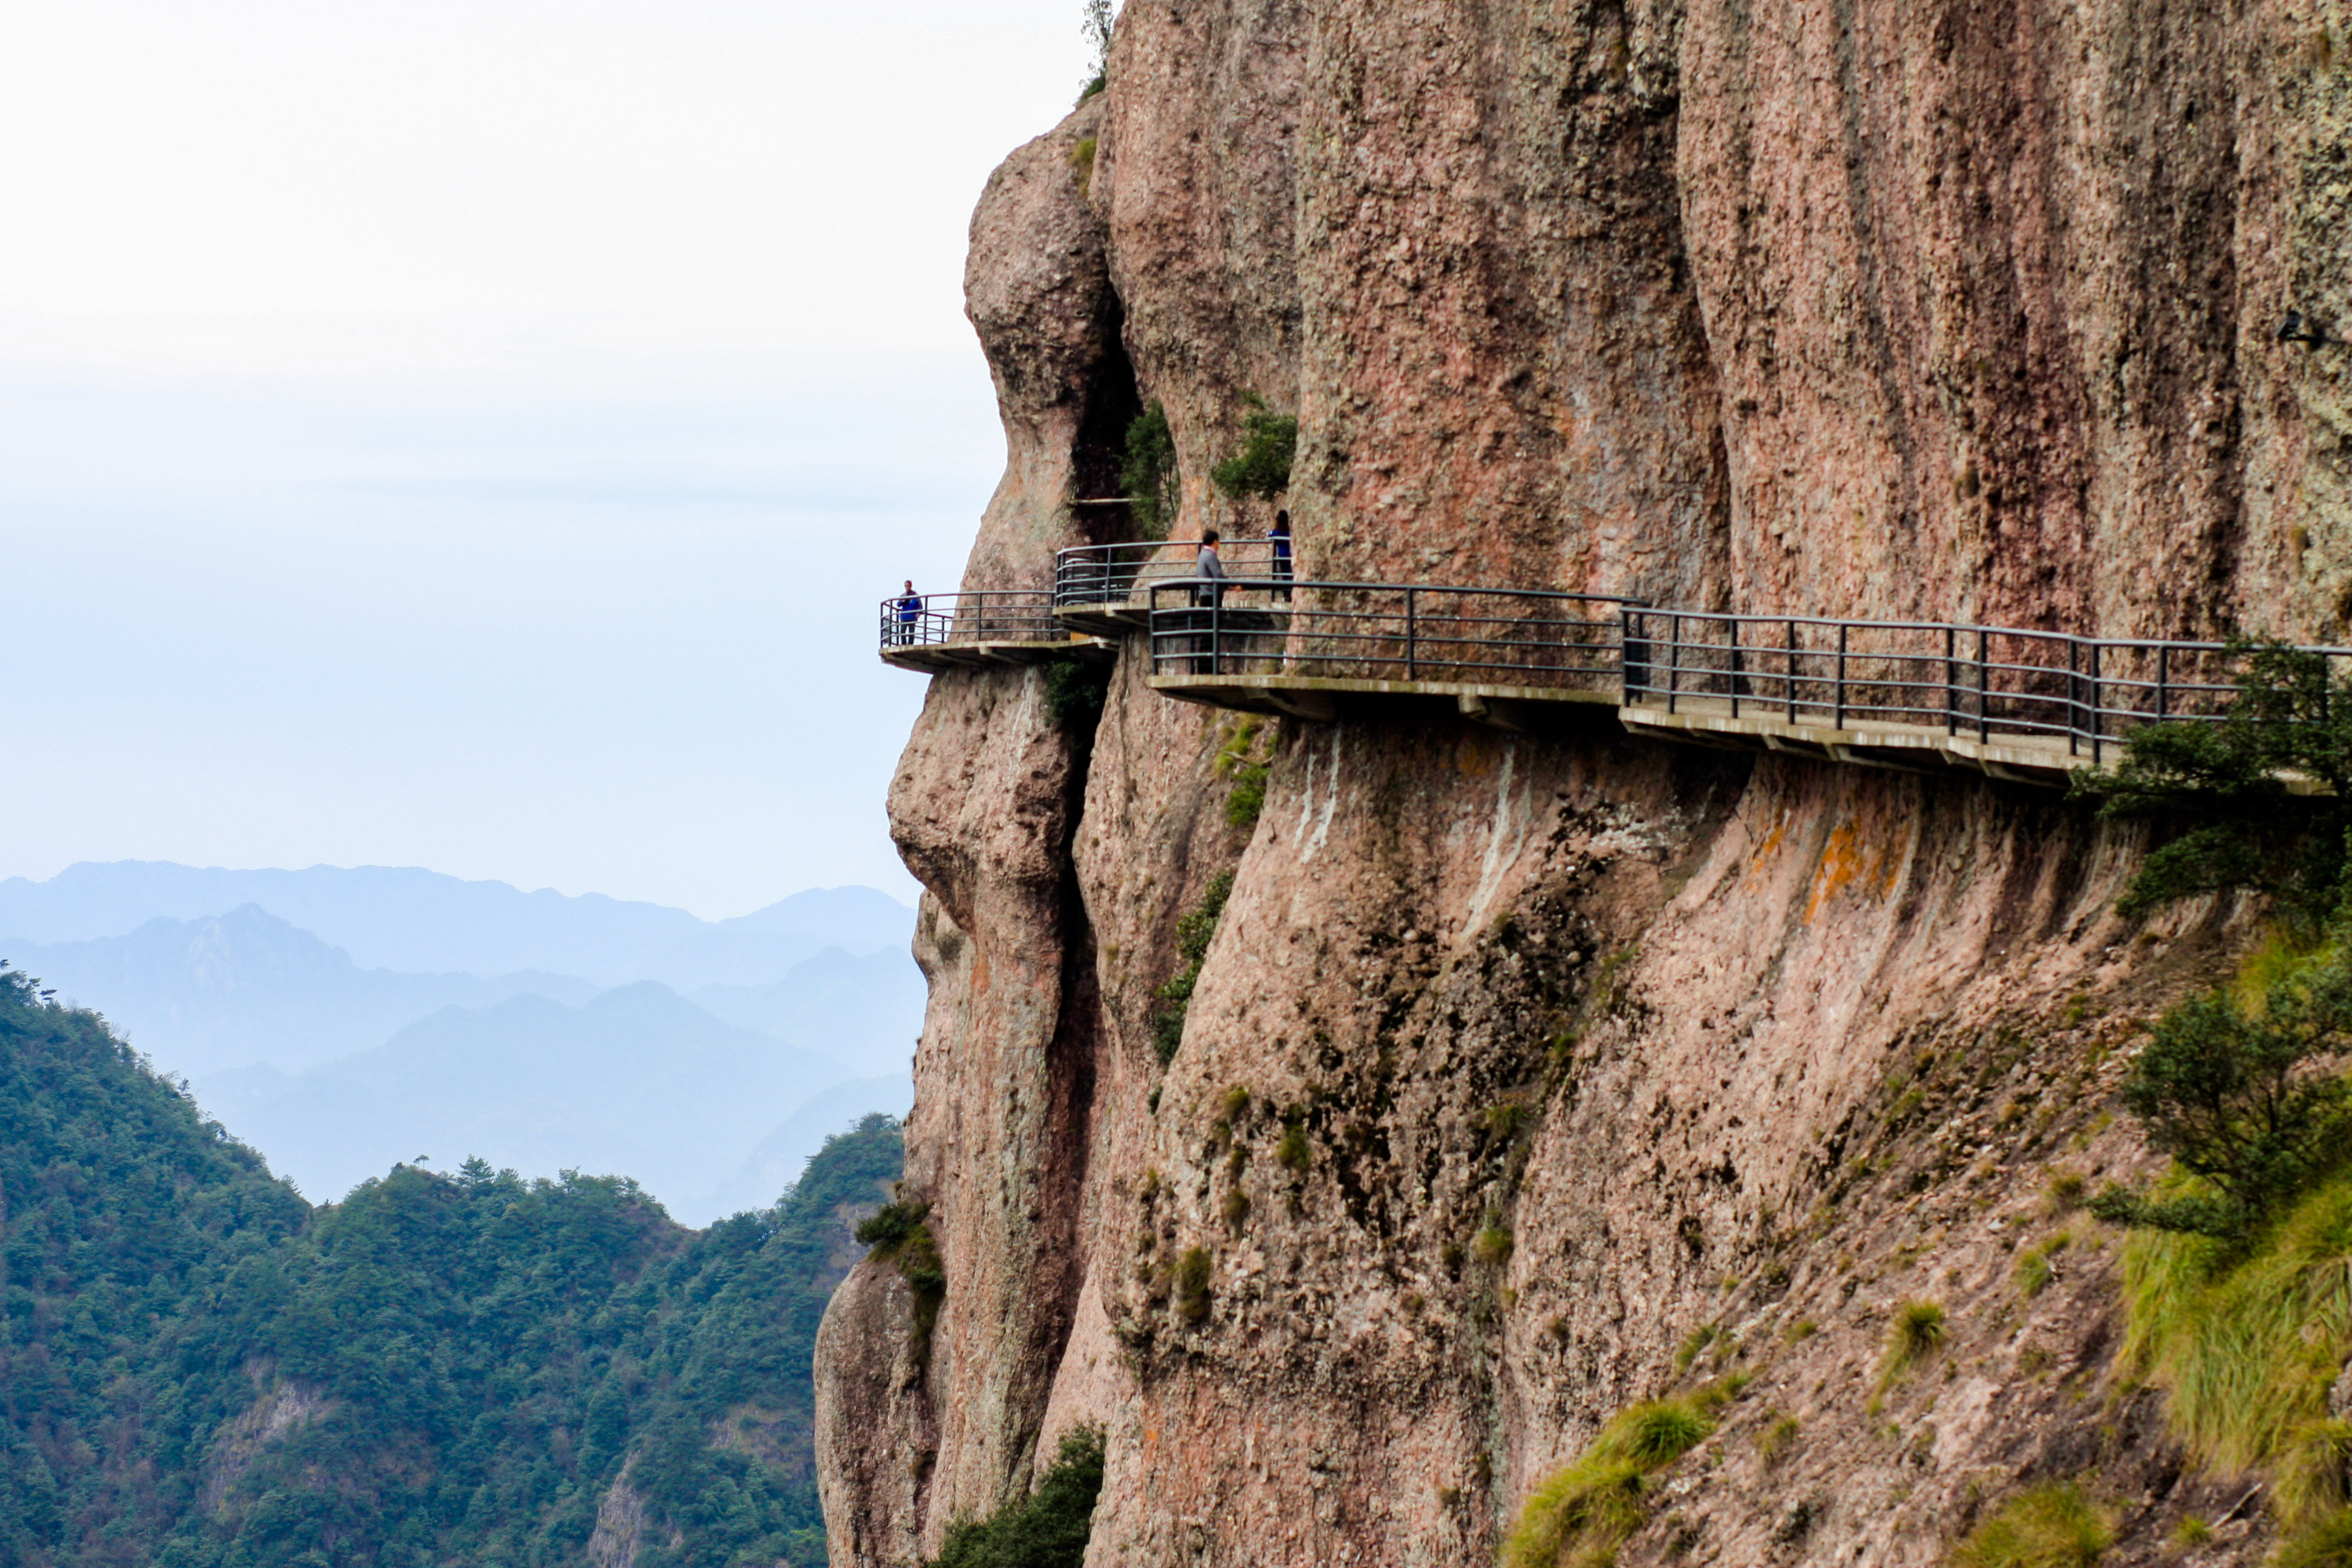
1105	589
934	632
2009	703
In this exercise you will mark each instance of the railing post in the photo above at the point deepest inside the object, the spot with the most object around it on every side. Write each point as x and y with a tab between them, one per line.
1411	637
2073	698
1216	631
1791	692
1984	684
1674	656
1733	623
1951	681
2099	720
2163	680
1843	628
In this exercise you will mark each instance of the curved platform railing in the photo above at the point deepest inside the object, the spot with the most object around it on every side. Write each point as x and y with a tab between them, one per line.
1120	574
989	616
1380	635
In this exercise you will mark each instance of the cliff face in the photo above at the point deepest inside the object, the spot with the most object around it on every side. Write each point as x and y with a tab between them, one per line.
1518	1058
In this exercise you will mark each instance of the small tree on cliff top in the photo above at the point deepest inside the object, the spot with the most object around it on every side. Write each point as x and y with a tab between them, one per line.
1094	26
2288	717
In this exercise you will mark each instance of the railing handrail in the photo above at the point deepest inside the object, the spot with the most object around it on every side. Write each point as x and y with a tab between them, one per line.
1305	585
1954	677
1754	618
1040	595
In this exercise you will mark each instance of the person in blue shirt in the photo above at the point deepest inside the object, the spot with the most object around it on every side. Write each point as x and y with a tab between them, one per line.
1279	534
910	610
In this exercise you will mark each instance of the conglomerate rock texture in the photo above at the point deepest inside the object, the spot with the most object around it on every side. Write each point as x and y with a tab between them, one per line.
1532	1074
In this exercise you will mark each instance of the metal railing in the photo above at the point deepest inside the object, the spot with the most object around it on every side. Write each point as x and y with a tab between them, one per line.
925	620
1118	573
1971	681
1520	638
1967	680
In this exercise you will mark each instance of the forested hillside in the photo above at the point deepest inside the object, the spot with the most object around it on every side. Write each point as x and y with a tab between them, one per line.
200	1369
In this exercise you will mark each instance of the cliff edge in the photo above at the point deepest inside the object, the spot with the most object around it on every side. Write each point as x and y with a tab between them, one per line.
1529	1075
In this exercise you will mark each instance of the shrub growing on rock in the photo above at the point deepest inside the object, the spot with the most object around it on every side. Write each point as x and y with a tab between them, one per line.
1047	1529
2288	715
1148	476
1193	1285
1262	464
1194	933
900	1234
2228	1092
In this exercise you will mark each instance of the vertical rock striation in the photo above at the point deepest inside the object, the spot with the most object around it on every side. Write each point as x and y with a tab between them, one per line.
1527	1075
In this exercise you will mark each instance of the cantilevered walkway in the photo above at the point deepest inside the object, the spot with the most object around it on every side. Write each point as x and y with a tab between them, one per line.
2006	701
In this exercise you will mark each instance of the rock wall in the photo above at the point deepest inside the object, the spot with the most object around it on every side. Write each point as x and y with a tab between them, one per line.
1529	1075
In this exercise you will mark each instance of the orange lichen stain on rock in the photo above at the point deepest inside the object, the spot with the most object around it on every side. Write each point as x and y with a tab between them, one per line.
1764	849
1474	756
1845	861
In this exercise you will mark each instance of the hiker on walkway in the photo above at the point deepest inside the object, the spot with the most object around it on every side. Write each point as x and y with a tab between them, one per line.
1209	568
1208	592
1279	536
910	610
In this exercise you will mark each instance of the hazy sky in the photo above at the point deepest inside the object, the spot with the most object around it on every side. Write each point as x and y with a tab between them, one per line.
475	434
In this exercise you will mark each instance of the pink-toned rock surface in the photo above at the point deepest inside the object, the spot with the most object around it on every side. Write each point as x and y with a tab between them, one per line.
1517	1059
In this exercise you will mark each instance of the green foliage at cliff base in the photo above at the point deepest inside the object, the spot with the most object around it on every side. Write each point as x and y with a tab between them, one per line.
1047	1529
1076	690
1148	474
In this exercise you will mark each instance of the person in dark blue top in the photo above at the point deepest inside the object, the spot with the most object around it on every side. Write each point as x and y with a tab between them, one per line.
910	610
1280	536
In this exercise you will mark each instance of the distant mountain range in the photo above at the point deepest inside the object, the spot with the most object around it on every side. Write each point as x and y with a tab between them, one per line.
706	1058
247	988
638	1081
420	921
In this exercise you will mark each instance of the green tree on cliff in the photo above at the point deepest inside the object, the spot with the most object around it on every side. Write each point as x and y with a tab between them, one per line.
1094	26
2234	1084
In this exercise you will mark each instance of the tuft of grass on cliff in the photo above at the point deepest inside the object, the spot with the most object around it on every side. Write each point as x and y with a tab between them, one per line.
1194	932
2054	1526
2247	1340
1584	1511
